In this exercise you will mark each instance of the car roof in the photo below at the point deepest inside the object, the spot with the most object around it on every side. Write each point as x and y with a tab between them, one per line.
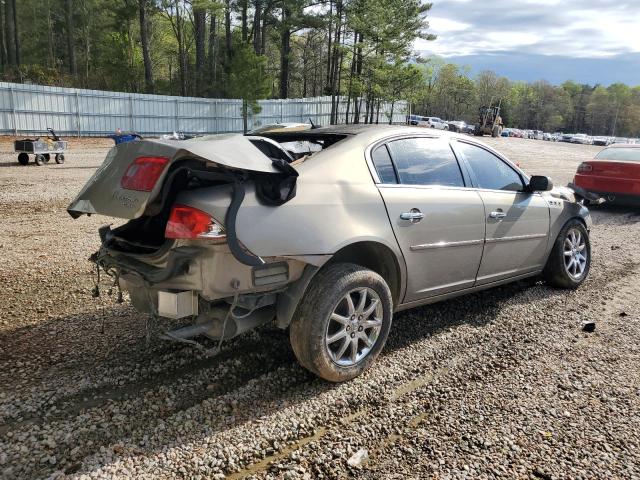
624	145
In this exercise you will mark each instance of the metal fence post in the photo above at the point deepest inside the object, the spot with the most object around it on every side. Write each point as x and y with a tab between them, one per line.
177	117
13	111
78	112
131	123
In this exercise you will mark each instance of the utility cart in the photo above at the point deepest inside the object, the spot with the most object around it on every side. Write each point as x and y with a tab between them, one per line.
41	148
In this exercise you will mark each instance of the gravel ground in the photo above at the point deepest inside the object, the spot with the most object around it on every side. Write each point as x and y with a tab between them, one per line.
502	383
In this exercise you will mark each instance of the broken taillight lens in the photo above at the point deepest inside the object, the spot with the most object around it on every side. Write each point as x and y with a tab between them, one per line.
143	173
584	168
189	222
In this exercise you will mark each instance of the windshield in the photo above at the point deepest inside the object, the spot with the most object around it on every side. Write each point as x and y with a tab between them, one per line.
624	154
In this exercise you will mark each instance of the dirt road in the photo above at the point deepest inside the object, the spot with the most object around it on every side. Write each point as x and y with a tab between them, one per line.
502	383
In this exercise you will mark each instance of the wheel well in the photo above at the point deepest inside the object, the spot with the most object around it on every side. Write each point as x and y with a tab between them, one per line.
374	256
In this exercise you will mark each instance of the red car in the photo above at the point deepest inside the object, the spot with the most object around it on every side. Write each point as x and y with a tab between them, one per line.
614	173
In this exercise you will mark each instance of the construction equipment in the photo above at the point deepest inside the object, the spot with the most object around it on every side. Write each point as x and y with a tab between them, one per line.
489	121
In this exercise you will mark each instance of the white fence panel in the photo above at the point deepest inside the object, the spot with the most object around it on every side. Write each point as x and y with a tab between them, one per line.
30	109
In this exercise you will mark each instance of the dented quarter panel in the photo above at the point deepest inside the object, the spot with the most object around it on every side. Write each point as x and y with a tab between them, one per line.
336	204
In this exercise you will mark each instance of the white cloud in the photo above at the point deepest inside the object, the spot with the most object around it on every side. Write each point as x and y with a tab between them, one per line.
580	29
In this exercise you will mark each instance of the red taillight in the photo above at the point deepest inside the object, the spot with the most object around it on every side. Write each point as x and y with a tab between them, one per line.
584	168
189	222
143	173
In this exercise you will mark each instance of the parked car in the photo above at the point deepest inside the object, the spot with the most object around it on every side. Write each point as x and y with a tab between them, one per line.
470	129
582	138
613	173
457	126
231	232
603	141
506	132
537	135
546	136
414	119
433	122
556	137
622	140
567	137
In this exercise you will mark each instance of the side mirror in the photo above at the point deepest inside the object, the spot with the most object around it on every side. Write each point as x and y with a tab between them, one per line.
539	183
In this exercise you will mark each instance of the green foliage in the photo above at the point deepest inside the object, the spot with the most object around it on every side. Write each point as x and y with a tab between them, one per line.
358	49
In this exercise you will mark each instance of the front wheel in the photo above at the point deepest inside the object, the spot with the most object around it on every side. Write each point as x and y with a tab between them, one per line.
342	322
40	160
570	259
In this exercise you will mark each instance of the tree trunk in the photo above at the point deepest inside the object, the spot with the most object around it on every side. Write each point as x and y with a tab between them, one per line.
144	40
227	29
199	23
182	54
3	45
71	48
211	57
351	75
256	27
243	16
285	51
16	31
10	32
393	104
329	51
334	65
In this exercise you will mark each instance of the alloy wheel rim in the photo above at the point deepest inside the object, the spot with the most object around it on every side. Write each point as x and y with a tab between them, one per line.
354	326
575	253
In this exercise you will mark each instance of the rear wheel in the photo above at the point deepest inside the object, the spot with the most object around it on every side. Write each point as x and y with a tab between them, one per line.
23	158
40	160
342	322
47	157
570	259
60	158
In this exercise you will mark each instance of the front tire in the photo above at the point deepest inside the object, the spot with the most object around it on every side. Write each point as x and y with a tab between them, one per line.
570	259
342	322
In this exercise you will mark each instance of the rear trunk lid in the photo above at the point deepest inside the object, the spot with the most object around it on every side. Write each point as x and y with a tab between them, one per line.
104	194
615	169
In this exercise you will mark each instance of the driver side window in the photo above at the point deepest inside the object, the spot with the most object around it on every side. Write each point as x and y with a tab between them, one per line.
490	171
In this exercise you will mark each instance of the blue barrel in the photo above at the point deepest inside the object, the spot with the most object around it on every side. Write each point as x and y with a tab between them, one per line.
124	137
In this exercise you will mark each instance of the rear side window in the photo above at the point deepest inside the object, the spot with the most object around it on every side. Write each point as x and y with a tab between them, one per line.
384	167
425	161
623	154
490	171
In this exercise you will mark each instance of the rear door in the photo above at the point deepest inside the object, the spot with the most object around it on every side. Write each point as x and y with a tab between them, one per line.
517	222
438	221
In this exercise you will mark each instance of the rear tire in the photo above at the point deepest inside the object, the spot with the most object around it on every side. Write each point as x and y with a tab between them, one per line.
570	259
23	158
40	160
60	158
327	327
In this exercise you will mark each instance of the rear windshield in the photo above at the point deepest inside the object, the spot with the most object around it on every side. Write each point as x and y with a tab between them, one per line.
624	154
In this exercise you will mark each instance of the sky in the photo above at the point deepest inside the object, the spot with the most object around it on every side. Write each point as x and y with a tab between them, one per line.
589	41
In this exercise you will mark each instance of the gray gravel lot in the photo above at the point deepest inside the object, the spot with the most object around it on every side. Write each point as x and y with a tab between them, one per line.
501	383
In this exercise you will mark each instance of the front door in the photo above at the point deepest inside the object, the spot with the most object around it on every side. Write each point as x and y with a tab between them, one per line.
438	222
517	222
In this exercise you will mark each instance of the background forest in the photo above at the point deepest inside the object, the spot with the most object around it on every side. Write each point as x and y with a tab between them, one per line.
253	49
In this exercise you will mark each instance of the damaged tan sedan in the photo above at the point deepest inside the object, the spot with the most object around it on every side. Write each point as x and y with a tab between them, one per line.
327	231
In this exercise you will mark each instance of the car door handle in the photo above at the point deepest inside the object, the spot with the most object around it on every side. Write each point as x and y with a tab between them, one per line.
414	216
497	214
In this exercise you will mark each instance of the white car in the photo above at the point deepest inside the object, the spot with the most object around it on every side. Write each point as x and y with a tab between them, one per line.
433	122
582	138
